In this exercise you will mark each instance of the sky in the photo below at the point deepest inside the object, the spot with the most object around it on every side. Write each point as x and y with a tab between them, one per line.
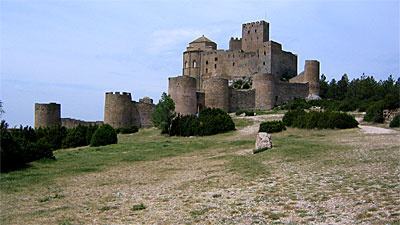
73	51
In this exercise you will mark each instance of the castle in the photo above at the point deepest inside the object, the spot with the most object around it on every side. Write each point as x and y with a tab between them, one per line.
119	111
207	80
208	74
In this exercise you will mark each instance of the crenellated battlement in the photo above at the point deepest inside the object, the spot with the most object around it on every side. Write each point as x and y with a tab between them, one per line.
117	93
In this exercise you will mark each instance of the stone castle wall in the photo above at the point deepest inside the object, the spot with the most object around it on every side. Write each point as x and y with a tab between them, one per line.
119	111
47	115
217	93
145	111
285	92
72	123
241	100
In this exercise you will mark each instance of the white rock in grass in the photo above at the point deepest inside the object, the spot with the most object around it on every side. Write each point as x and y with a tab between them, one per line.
263	141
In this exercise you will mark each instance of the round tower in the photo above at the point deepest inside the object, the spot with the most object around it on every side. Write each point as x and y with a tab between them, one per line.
47	115
118	109
311	75
216	93
183	91
265	98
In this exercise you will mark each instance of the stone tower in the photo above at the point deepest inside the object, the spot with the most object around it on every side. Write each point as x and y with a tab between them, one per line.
254	35
120	111
217	93
311	75
192	58
47	115
265	97
183	91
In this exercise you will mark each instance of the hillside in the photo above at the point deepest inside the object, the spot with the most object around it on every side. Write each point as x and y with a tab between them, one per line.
310	176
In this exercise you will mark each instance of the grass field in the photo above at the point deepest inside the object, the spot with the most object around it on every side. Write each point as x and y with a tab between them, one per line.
309	176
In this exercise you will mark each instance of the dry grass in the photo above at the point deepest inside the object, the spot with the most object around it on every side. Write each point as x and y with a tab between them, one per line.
310	176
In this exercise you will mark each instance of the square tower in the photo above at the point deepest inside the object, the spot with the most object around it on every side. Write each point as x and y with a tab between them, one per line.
254	35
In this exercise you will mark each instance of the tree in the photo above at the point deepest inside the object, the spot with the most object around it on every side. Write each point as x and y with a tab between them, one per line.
342	86
1	108
164	113
323	87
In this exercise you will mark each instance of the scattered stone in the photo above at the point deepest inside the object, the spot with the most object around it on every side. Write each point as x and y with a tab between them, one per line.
263	142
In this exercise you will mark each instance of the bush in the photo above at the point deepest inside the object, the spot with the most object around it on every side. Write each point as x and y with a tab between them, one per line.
240	112
395	122
128	130
188	125
210	121
320	120
375	112
247	113
296	103
21	146
215	121
76	137
105	135
292	117
272	126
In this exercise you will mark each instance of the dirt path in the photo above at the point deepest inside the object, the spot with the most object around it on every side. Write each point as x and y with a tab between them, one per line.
376	130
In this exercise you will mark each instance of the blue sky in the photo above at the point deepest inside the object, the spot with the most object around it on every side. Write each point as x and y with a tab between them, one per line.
72	52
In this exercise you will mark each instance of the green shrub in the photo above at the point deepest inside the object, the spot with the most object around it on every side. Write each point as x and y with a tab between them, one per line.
214	121
240	112
75	137
209	122
296	103
138	207
128	130
375	112
395	122
105	135
272	126
320	120
291	118
188	125
249	113
89	133
21	146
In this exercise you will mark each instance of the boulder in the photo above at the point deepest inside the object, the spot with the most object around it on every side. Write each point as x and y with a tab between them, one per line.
263	142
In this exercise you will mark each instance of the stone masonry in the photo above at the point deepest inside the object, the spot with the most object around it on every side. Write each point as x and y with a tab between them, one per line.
208	71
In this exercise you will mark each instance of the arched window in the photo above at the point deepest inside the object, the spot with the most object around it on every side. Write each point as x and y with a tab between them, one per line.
194	63
233	64
206	70
186	64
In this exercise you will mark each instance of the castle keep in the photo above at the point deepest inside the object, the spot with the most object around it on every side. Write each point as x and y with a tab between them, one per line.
208	74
